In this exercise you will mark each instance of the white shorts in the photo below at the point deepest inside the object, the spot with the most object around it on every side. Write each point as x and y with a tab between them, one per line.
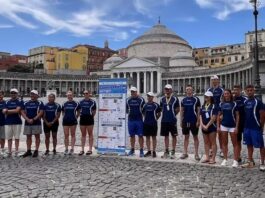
228	129
13	131
32	130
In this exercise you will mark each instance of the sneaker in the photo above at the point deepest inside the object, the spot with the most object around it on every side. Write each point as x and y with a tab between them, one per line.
154	154
172	154
166	155
235	164
27	153
239	160
131	152
54	151
36	153
71	151
249	164
221	154
46	152
262	167
184	156
141	153
66	152
148	154
197	158
224	162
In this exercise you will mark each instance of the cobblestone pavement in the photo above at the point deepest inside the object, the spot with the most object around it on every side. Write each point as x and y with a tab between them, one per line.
103	176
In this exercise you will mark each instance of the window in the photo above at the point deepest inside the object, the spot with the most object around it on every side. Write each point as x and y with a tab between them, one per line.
217	60
212	61
66	57
223	60
251	38
236	58
66	66
229	59
206	61
242	58
201	63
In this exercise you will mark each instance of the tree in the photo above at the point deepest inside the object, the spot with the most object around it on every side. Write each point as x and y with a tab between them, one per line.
20	68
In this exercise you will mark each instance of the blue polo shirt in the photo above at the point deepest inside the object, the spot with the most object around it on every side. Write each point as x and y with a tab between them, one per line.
168	109
207	113
51	110
217	95
150	110
228	110
69	108
252	115
13	119
31	109
87	106
190	105
134	106
2	116
240	100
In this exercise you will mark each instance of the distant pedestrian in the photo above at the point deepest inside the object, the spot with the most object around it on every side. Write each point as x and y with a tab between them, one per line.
170	108
151	112
88	111
71	112
253	129
134	107
13	120
227	123
208	115
32	111
190	120
51	115
2	123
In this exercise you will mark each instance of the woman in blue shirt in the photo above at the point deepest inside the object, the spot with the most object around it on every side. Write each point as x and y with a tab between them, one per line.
71	112
227	122
208	114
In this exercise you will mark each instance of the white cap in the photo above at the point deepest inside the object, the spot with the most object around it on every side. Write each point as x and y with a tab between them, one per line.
133	89
150	94
14	90
34	92
208	93
214	77
168	86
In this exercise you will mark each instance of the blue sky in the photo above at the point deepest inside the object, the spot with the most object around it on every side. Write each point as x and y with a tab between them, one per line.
25	24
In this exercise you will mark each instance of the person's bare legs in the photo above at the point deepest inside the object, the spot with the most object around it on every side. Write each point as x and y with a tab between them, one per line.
212	138
83	136
206	138
10	141
73	129
186	143
37	141
66	136
148	142
224	137
54	140
235	145
154	142
90	136
196	145
47	140
174	142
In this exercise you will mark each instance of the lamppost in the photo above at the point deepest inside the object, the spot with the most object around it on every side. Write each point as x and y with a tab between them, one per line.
256	53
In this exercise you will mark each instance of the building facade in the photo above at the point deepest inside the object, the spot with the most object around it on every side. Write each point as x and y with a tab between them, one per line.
7	60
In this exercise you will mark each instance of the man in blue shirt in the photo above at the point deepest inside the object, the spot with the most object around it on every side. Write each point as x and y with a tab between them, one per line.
32	112
253	129
51	115
13	120
134	107
151	112
2	122
218	93
190	122
170	108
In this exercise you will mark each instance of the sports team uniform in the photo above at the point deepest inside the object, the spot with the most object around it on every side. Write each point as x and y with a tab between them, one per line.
169	120
217	95
253	130
50	113
13	122
240	105
228	110
86	114
150	110
206	114
134	106
190	105
2	120
69	108
32	109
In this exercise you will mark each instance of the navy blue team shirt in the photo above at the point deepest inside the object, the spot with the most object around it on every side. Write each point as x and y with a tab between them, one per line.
69	108
2	116
150	110
134	106
13	119
87	107
240	100
217	95
169	115
190	105
210	111
51	110
228	110
31	109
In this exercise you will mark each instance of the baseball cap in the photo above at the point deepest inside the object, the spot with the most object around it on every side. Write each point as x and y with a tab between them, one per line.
214	77
14	90
208	93
133	89
168	86
34	92
150	94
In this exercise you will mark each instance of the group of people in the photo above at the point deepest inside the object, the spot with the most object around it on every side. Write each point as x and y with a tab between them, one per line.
223	113
34	110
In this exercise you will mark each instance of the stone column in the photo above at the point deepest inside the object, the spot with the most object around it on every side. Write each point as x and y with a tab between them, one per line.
200	85
159	83
152	81
195	85
205	84
178	86
145	84
138	81
226	81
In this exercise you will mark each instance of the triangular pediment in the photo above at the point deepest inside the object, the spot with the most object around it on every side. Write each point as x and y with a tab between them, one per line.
134	62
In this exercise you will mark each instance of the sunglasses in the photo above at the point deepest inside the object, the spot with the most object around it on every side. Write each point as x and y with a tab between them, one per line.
13	92
86	93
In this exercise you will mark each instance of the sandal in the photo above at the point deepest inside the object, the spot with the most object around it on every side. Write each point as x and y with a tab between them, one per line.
88	152
205	161
211	162
81	153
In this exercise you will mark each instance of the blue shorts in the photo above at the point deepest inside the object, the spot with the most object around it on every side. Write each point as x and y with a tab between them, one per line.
135	128
253	138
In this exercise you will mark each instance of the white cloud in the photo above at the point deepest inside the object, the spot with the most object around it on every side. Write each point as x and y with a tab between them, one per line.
120	36
4	26
224	8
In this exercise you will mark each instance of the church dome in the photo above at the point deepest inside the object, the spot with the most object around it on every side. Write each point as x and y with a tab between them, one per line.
115	58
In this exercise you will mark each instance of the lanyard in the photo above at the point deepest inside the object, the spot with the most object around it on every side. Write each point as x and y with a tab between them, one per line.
207	106
167	101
